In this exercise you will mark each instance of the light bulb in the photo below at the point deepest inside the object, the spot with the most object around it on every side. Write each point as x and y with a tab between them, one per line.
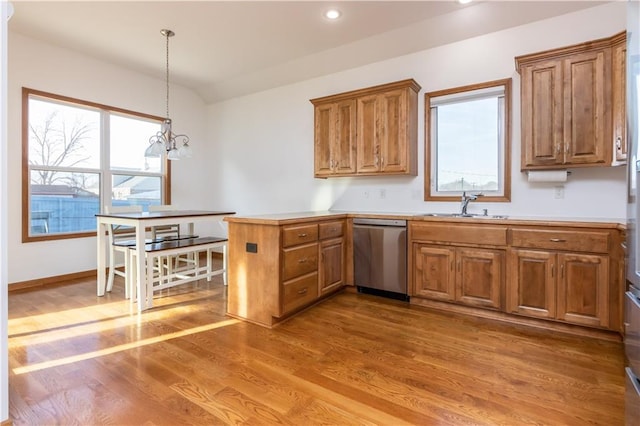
173	153
185	151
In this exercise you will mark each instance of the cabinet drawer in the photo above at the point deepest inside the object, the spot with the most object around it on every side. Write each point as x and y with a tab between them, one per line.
453	233
299	261
299	292
569	240
299	234
331	229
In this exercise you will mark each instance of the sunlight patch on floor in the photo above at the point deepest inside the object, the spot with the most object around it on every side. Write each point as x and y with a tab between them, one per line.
91	319
123	347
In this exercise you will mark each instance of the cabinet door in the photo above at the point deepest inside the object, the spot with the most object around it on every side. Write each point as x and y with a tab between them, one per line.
619	87
331	265
542	115
367	134
586	136
479	277
335	138
393	131
344	143
323	135
531	286
435	275
583	289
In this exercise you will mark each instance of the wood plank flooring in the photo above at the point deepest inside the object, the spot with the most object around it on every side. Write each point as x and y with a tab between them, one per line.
79	359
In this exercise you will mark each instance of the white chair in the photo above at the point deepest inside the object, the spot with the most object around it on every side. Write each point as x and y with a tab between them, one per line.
118	234
170	231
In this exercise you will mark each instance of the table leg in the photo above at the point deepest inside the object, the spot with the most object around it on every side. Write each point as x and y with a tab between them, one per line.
101	254
141	270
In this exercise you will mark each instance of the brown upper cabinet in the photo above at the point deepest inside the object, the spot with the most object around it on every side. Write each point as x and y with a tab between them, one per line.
367	132
619	89
572	105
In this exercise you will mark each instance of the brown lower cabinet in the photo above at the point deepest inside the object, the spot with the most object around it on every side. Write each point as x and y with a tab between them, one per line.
565	273
331	267
277	269
567	286
471	276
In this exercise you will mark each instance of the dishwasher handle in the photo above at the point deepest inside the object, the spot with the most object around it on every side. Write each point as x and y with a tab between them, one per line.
380	222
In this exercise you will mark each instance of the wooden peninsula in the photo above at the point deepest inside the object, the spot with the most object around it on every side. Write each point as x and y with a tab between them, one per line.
281	264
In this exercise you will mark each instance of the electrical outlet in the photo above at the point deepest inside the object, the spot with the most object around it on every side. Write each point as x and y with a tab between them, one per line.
382	194
558	192
366	194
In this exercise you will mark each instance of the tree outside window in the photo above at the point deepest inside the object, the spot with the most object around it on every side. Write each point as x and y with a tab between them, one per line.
77	152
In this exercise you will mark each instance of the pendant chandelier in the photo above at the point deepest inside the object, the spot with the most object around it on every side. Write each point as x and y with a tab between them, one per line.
175	146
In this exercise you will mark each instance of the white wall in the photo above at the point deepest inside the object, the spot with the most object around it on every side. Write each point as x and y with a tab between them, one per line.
254	154
265	141
40	66
5	12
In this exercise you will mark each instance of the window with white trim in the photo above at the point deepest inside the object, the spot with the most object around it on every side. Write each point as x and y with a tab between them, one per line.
467	133
79	156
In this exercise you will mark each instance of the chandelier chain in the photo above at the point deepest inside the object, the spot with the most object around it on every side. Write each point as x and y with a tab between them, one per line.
167	74
175	146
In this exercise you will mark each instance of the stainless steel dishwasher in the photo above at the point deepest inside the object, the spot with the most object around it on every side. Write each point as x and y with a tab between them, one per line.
380	257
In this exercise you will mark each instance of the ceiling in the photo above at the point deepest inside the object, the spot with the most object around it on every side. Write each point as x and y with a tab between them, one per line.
224	49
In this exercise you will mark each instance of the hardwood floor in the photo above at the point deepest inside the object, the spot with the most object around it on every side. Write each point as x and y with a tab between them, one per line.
354	359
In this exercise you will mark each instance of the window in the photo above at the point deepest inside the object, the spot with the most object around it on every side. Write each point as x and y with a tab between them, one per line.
467	133
79	156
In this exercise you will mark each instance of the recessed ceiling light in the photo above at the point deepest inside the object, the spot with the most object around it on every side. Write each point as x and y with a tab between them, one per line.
332	14
464	1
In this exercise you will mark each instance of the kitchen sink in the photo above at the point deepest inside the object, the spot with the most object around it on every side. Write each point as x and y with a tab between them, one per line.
468	215
443	214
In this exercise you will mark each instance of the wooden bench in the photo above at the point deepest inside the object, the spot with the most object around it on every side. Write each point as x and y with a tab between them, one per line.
132	243
126	244
166	277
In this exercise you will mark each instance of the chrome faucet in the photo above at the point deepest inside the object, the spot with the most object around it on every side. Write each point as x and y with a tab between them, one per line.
465	200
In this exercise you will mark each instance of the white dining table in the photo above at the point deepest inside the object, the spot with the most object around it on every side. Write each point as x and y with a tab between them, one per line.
141	221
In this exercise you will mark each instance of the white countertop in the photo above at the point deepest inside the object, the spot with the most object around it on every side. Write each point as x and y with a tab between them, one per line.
283	218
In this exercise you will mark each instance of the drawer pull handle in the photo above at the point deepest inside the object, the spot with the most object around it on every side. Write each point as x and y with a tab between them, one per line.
302	235
303	260
303	291
557	240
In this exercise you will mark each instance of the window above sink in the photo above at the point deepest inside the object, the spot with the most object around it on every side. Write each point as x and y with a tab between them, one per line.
468	142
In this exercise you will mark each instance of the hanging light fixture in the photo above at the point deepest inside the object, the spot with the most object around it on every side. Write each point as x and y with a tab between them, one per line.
165	141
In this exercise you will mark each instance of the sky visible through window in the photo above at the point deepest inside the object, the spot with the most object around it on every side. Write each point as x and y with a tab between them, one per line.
467	145
72	149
